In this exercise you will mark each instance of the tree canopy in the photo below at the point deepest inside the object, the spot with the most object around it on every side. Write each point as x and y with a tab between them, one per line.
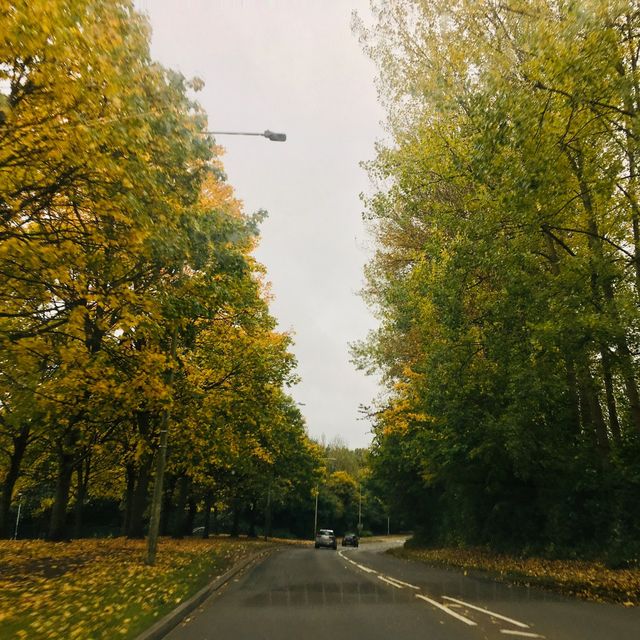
130	301
507	270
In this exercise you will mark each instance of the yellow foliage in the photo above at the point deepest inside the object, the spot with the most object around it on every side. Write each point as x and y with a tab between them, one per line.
89	588
590	580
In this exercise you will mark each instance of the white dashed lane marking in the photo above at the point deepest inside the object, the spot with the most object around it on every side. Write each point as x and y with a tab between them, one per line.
361	566
404	584
391	582
399	584
442	607
493	614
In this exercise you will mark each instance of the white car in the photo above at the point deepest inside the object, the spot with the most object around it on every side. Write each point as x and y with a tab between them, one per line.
326	538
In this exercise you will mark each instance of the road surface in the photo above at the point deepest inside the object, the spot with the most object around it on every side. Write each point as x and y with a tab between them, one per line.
300	593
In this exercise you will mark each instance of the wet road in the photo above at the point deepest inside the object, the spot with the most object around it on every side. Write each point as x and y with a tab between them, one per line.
303	593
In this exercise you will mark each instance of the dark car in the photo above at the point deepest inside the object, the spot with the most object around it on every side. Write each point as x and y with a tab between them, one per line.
326	538
350	540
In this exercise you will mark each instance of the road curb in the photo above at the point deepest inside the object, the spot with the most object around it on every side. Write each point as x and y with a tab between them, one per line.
162	627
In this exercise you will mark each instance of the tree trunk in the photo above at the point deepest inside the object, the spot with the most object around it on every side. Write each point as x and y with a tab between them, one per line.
130	475
631	136
614	423
572	382
592	411
183	492
630	384
19	443
208	499
267	515
606	285
235	523
574	396
83	472
140	497
166	514
252	521
58	523
190	516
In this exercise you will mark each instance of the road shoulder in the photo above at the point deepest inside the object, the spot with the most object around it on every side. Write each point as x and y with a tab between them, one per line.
163	626
585	580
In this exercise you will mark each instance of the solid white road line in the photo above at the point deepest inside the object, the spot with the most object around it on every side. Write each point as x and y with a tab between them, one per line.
404	584
493	614
398	584
471	623
393	584
345	557
361	566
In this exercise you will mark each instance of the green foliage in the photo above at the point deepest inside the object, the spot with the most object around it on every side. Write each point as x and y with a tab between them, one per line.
129	295
507	271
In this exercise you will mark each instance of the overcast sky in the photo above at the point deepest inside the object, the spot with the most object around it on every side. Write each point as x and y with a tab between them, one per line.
294	66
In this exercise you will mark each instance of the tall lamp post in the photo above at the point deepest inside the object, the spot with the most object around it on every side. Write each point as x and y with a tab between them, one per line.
156	501
360	509
269	135
315	518
15	533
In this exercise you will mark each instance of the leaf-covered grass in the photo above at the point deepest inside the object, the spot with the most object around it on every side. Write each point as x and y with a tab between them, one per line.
101	588
585	579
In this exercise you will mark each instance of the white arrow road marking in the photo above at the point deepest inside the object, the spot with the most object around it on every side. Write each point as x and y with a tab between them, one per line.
520	634
391	582
471	623
493	614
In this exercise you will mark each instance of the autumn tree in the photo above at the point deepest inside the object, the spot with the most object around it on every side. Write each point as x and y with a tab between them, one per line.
130	303
506	270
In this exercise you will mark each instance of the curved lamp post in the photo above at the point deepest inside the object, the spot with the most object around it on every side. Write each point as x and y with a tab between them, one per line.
315	517
156	501
15	533
269	135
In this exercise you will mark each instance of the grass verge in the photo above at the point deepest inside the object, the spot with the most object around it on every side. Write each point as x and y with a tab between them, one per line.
588	580
100	588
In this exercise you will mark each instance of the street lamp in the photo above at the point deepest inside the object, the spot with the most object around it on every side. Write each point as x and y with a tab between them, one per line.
156	501
15	533
315	518
269	135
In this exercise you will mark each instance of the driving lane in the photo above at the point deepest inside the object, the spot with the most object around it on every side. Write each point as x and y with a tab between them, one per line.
545	614
305	593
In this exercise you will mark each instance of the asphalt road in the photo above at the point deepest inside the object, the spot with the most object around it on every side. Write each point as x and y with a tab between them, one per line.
307	594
